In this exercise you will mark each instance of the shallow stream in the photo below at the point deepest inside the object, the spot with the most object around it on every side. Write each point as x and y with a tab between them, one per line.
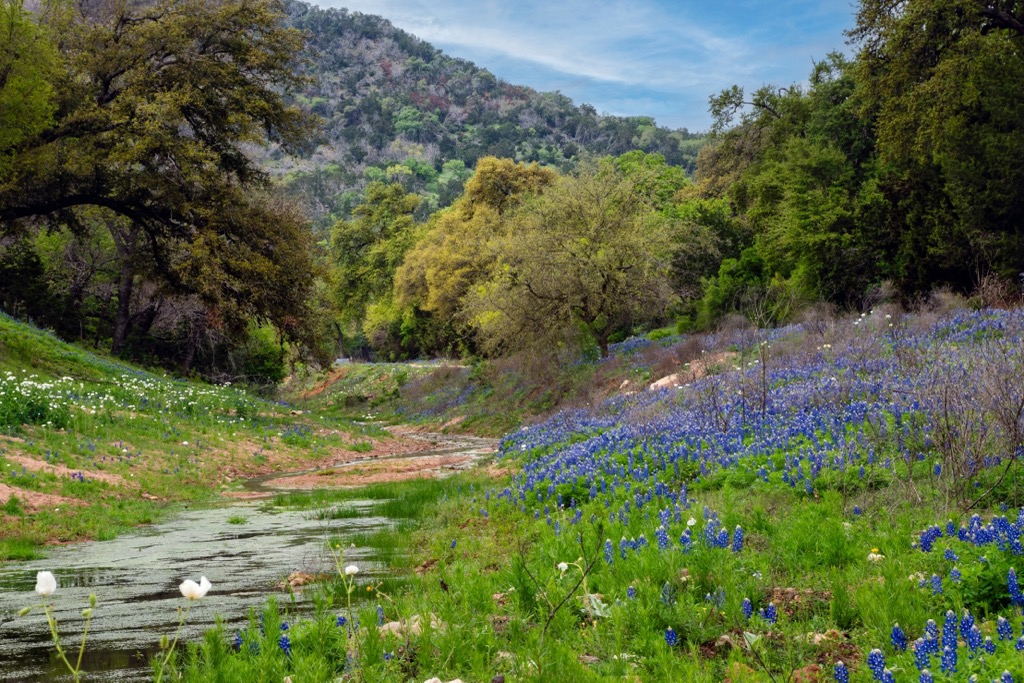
135	578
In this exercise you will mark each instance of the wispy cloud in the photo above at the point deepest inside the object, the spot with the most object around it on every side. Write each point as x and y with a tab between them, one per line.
655	50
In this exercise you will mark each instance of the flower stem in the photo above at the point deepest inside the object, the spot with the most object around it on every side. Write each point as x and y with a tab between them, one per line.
167	657
51	621
81	648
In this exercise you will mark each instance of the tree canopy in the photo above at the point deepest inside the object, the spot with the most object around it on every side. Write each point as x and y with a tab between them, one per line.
146	111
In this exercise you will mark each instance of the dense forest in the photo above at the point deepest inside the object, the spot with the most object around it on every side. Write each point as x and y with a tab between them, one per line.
228	187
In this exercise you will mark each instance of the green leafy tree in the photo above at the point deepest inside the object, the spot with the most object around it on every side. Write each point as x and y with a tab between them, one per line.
155	105
942	79
587	258
27	67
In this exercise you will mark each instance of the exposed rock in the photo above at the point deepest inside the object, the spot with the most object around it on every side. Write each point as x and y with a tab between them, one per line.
413	626
673	381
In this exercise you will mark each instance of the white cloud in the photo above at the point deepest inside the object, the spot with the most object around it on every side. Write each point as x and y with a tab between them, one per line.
632	43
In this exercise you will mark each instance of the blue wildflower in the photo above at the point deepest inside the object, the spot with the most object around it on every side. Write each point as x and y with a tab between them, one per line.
1004	629
842	673
737	539
609	551
926	677
285	645
876	662
922	658
748	608
936	584
631	593
769	613
948	663
974	638
898	638
671	639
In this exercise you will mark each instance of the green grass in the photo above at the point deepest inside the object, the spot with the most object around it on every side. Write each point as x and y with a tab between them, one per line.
237	519
19	549
130	444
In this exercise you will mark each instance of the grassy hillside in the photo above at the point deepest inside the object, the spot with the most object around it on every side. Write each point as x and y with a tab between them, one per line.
90	446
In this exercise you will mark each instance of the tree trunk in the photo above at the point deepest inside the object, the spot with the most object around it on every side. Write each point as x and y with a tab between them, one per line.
123	319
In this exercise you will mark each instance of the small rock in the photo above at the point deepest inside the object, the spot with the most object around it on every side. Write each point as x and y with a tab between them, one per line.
670	382
724	641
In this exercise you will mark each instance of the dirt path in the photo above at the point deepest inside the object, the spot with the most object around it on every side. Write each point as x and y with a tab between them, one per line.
410	455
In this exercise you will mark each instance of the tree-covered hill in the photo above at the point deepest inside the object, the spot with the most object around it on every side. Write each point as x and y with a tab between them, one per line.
394	107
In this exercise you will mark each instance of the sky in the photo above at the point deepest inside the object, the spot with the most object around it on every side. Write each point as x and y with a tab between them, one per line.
659	58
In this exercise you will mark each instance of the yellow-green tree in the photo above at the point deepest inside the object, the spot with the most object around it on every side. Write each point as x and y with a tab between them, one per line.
587	258
457	251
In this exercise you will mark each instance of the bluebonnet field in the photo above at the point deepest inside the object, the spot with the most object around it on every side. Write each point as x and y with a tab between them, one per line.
841	501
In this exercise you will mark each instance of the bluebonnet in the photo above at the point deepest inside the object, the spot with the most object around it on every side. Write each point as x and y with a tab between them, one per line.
954	575
609	551
662	537
238	641
737	540
887	676
989	646
966	624
1015	594
898	638
631	593
926	677
769	613
949	660
285	644
876	663
341	621
748	608
670	637
949	554
1004	629
842	673
974	638
922	656
949	630
936	584
1007	677
380	615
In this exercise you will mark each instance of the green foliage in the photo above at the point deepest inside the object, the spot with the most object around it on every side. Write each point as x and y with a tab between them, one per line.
28	61
588	257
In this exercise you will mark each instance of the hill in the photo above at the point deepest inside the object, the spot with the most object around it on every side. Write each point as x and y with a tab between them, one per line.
393	105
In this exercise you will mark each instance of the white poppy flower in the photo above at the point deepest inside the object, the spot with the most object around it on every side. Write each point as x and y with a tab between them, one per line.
45	583
192	590
351	569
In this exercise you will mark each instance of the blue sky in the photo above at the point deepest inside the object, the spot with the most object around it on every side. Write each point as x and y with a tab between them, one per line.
630	57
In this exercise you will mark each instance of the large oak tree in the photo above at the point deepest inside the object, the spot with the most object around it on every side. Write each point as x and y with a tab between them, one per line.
153	106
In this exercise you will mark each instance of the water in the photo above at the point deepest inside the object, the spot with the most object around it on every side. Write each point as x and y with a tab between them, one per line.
136	577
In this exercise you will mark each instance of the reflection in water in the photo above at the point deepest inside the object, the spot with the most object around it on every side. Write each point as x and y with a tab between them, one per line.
135	579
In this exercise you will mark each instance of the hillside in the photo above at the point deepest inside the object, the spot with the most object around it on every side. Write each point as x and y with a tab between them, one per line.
388	99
